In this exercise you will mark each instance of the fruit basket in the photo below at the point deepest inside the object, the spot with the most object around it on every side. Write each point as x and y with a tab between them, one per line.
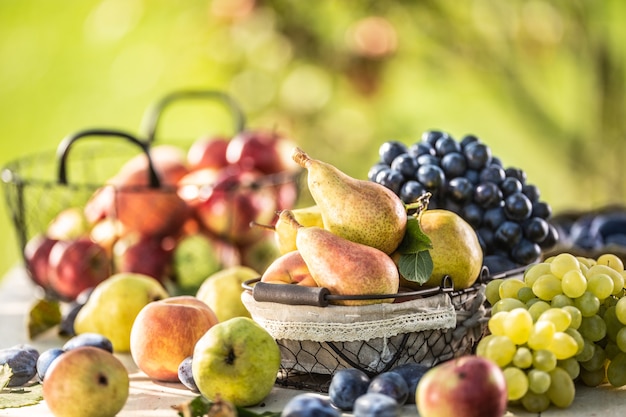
316	339
136	200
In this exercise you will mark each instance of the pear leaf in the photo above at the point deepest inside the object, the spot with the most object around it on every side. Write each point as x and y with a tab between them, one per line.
44	315
414	240
416	267
5	375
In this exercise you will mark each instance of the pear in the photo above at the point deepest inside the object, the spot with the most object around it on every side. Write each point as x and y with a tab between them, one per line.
345	267
359	210
285	233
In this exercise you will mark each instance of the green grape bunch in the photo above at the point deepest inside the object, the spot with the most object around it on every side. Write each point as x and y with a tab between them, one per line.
562	322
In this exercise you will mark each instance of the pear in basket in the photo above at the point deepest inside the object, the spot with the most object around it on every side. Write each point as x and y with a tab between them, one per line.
345	267
361	211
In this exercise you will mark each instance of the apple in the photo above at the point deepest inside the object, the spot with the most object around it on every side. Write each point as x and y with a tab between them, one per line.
148	255
194	186
235	200
197	256
222	291
165	332
265	151
237	360
468	386
289	268
208	152
69	223
36	255
106	232
113	305
260	254
75	265
86	381
169	162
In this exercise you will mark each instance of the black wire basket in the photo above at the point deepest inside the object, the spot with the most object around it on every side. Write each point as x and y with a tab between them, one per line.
39	186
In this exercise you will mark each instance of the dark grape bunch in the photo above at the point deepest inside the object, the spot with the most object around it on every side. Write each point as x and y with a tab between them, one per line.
511	221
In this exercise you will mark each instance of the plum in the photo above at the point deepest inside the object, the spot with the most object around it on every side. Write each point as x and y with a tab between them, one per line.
412	373
45	359
22	359
375	404
185	375
89	339
391	384
309	405
346	386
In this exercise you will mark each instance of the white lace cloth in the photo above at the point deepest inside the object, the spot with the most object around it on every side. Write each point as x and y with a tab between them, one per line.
350	323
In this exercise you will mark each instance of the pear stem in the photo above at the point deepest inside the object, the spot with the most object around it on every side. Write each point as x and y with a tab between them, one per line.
262	226
290	219
420	204
300	157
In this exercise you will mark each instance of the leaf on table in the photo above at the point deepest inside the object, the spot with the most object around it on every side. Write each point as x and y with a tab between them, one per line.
201	407
44	315
5	375
21	397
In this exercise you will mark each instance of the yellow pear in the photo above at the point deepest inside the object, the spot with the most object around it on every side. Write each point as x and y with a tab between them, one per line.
285	233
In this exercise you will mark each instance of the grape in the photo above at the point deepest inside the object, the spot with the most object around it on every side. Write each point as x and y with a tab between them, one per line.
481	347
575	315
472	213
375	169
570	365
541	335
468	140
535	229
547	287
431	176
620	310
391	179
494	217
487	195
516	383
593	328
532	273
518	325
561	300
618	279
523	358
563	263
453	164
510	287
525	251
525	294
510	185
508	234
544	360
588	304
478	155
559	317
587	352
447	145
492	291
620	339
562	390
537	308
406	164
532	192
411	190
538	381
612	261
497	323
428	160
592	378
597	361
541	209
506	304
611	349
460	189
421	148
389	150
578	338
501	350
493	174
601	285
574	283
535	403
613	325
563	345
518	207
616	371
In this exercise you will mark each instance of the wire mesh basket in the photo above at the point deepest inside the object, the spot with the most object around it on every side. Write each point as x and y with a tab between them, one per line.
425	327
39	186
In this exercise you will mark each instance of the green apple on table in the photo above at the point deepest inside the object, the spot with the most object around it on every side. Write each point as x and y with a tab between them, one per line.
236	360
222	291
113	305
86	382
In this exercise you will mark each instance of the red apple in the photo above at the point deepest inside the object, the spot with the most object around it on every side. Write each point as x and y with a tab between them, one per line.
265	151
165	332
169	162
148	255
468	386
233	203
36	254
208	152
195	186
69	223
76	265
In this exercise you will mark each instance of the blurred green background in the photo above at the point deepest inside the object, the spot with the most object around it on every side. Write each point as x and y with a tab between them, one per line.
541	82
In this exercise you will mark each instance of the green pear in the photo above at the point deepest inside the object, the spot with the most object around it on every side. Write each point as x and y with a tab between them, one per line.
113	305
359	210
345	267
222	290
86	382
236	360
285	234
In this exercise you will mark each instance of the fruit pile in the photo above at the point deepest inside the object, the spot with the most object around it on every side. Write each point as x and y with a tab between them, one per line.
564	322
194	224
464	177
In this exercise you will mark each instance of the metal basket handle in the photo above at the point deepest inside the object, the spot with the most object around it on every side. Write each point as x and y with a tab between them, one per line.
65	145
154	114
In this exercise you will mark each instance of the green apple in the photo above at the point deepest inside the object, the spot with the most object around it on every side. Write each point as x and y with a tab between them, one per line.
113	305
237	360
222	291
86	382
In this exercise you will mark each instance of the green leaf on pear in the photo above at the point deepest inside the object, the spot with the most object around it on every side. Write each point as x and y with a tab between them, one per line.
44	315
416	267
415	240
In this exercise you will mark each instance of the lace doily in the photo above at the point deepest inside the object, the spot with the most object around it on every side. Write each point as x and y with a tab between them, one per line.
349	323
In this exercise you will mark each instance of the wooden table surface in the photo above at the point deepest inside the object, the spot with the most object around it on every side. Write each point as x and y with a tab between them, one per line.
151	399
